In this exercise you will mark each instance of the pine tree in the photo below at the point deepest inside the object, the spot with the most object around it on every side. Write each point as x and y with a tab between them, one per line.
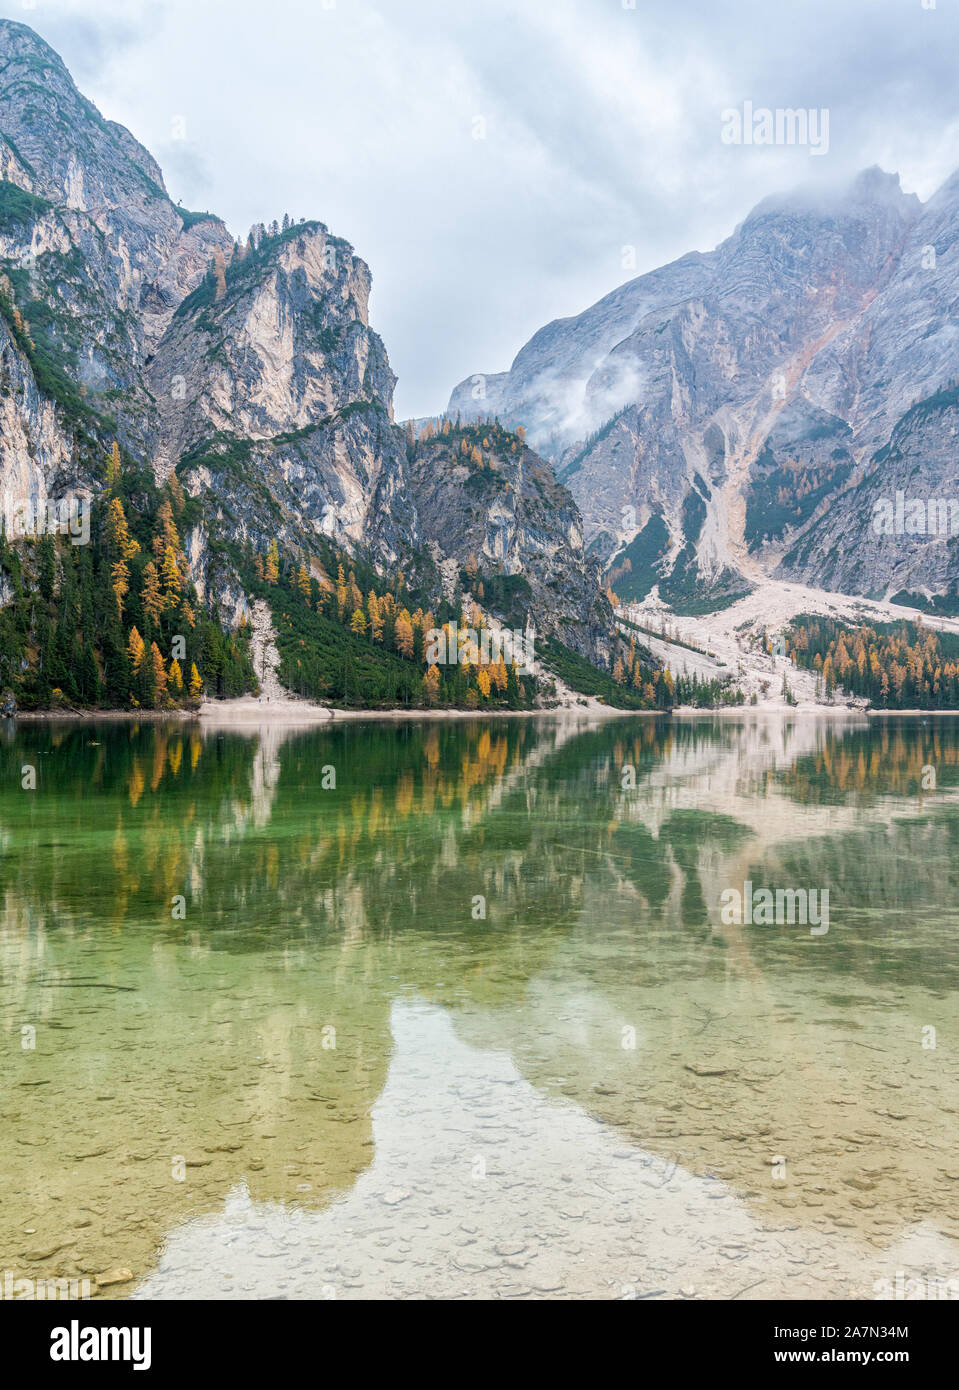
196	684
175	488
512	687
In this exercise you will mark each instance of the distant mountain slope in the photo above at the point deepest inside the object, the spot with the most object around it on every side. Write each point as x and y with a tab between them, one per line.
737	414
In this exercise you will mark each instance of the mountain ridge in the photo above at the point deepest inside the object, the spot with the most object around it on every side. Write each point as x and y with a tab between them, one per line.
733	367
245	375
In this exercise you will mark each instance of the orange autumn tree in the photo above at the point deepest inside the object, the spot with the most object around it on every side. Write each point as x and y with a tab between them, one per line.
150	596
404	634
159	673
172	578
114	465
124	548
271	569
136	647
167	534
431	685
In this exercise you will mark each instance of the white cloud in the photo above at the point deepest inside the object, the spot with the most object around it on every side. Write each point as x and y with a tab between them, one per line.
602	130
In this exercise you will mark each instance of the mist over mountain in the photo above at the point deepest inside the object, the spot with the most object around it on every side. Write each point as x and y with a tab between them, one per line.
737	415
732	419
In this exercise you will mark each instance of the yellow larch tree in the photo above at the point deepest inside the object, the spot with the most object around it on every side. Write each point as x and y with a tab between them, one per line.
172	578
151	597
404	634
135	648
271	569
114	465
159	673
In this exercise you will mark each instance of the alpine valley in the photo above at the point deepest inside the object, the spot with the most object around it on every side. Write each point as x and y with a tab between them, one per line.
671	493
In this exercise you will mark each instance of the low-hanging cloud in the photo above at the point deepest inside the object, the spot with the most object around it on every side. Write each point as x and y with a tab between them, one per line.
490	161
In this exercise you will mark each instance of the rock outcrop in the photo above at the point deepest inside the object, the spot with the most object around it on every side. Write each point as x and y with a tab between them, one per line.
489	503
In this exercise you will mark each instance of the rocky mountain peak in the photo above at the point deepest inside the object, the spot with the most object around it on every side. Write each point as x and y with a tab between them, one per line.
57	144
707	415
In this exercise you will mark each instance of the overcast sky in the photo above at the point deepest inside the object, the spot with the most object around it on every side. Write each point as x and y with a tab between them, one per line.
601	126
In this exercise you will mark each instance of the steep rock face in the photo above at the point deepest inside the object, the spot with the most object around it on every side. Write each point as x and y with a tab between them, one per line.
893	380
495	508
95	251
855	543
278	395
752	390
250	370
36	452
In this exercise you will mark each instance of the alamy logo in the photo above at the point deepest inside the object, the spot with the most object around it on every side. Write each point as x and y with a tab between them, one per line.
768	907
76	1343
916	516
782	125
68	516
14	1289
932	1287
465	646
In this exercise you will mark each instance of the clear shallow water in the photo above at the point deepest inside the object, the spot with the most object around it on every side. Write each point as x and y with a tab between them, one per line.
478	1129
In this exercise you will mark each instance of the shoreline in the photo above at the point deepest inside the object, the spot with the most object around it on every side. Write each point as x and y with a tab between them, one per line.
237	715
230	714
801	711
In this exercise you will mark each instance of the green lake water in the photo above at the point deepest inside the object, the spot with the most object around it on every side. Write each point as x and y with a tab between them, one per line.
259	1039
